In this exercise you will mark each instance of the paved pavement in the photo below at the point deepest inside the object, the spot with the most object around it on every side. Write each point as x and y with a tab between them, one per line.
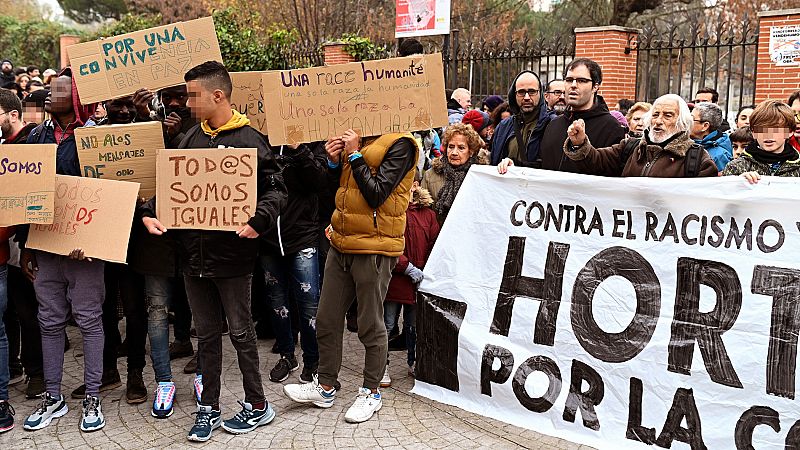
406	421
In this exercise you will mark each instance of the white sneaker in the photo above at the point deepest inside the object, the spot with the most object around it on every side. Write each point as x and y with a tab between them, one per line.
386	381
364	407
310	393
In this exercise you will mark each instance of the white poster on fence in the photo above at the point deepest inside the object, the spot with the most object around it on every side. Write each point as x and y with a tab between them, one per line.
618	313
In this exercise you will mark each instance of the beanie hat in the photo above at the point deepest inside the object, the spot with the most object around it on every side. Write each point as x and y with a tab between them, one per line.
478	119
492	102
6	60
36	97
620	118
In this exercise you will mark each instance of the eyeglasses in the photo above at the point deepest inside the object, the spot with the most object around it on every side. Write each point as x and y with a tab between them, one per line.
570	80
523	92
700	121
556	93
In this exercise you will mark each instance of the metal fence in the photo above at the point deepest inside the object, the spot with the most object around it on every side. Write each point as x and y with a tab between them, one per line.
722	57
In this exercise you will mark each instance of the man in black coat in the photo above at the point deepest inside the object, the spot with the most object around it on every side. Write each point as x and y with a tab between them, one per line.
582	80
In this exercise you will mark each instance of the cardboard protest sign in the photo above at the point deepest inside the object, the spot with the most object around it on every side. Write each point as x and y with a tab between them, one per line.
371	97
91	214
121	152
27	182
248	98
154	58
642	311
206	189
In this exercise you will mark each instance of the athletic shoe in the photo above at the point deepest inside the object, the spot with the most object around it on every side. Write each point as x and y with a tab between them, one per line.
35	387
198	388
364	407
50	408
205	422
286	365
6	416
178	349
92	419
136	391
307	376
163	399
248	419
310	393
386	381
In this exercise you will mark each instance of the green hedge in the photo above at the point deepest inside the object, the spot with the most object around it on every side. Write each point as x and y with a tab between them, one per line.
32	42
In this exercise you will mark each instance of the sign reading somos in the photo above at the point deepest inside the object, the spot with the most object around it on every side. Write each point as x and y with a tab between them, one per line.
371	97
27	182
121	152
207	189
642	312
154	58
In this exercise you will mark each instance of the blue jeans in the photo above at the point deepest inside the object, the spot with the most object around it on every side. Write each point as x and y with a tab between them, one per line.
158	291
391	312
4	375
298	274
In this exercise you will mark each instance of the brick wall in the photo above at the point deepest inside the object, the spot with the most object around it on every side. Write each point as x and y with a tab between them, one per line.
335	54
65	40
773	81
607	46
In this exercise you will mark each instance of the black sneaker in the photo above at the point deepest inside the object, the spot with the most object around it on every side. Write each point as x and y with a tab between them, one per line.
179	349
307	376
205	422
6	416
35	387
286	365
136	391
110	380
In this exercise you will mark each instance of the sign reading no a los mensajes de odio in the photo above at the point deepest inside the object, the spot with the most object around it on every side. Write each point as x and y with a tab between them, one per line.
206	189
121	152
154	58
371	97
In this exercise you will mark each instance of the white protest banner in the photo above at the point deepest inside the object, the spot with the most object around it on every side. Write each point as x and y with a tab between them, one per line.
618	313
154	58
421	18
371	97
121	152
27	183
92	214
206	189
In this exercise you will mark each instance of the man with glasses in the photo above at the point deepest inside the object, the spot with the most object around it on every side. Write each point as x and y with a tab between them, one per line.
517	139
555	97
706	131
582	80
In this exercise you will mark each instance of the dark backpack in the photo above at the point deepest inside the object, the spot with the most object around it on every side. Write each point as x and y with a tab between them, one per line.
691	166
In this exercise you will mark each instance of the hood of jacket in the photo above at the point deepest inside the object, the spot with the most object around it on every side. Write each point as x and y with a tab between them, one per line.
420	198
453	105
82	112
512	94
714	139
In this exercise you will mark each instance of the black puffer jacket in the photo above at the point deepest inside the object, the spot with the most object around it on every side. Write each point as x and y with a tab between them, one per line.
601	127
223	254
304	172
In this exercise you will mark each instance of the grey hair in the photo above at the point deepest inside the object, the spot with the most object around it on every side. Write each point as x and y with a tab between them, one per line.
460	91
684	122
711	113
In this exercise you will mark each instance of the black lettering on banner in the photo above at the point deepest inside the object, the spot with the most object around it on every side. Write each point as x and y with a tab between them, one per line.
757	415
760	236
438	323
584	400
783	285
793	437
499	376
623	346
635	430
537	364
547	290
683	406
690	325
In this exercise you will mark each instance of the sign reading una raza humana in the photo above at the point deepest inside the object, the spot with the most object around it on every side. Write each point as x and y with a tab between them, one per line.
92	214
154	58
27	182
248	98
641	314
121	152
206	189
371	97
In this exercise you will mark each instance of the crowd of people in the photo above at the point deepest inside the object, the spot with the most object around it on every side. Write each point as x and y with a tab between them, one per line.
342	232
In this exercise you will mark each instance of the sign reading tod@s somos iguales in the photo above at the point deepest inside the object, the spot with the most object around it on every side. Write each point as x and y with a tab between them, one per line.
618	312
154	58
206	189
121	152
371	97
27	182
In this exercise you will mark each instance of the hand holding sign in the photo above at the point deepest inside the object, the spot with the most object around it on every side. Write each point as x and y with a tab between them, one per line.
352	141
154	226
141	101
334	147
577	132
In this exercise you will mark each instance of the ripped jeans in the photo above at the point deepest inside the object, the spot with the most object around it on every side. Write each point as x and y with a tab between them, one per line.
161	292
296	274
